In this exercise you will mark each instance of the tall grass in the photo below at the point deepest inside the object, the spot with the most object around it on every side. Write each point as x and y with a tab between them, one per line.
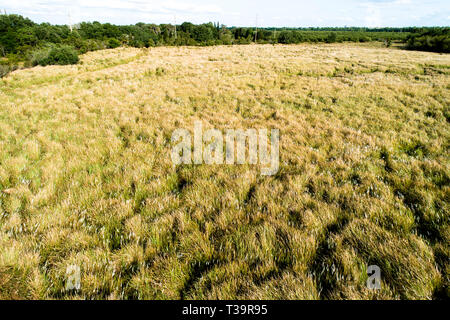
86	177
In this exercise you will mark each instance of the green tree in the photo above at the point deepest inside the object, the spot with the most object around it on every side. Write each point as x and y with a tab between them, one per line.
55	55
114	43
332	38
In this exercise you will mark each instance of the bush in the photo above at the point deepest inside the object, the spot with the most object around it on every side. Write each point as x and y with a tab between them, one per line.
5	69
332	38
61	55
38	56
364	39
286	37
93	45
191	42
113	43
137	43
435	41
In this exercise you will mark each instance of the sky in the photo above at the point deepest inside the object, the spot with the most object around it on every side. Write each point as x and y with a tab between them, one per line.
264	13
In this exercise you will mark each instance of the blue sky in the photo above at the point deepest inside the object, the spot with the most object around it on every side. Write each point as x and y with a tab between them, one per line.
299	13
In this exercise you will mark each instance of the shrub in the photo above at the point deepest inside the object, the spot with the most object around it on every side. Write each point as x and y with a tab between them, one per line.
332	38
5	69
227	39
434	40
286	37
364	39
191	42
137	43
61	55
113	43
94	45
38	56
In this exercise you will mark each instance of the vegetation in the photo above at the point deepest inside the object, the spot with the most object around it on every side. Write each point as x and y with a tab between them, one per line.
6	68
21	38
86	176
435	40
55	55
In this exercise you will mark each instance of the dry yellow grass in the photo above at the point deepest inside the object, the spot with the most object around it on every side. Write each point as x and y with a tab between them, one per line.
86	176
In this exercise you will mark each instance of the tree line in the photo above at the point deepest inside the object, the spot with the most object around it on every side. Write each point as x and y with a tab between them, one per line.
24	42
434	40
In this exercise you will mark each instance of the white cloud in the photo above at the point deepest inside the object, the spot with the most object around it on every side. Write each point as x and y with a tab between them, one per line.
238	12
102	10
373	16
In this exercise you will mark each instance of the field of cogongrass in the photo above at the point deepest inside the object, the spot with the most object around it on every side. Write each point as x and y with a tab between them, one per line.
86	176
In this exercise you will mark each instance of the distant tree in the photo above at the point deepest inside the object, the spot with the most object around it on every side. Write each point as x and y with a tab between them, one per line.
55	55
114	43
332	38
364	39
187	27
202	33
286	37
226	36
436	40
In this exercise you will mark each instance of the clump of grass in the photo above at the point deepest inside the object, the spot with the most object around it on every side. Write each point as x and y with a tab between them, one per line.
415	148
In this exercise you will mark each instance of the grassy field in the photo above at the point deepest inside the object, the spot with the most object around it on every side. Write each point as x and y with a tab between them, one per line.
86	176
